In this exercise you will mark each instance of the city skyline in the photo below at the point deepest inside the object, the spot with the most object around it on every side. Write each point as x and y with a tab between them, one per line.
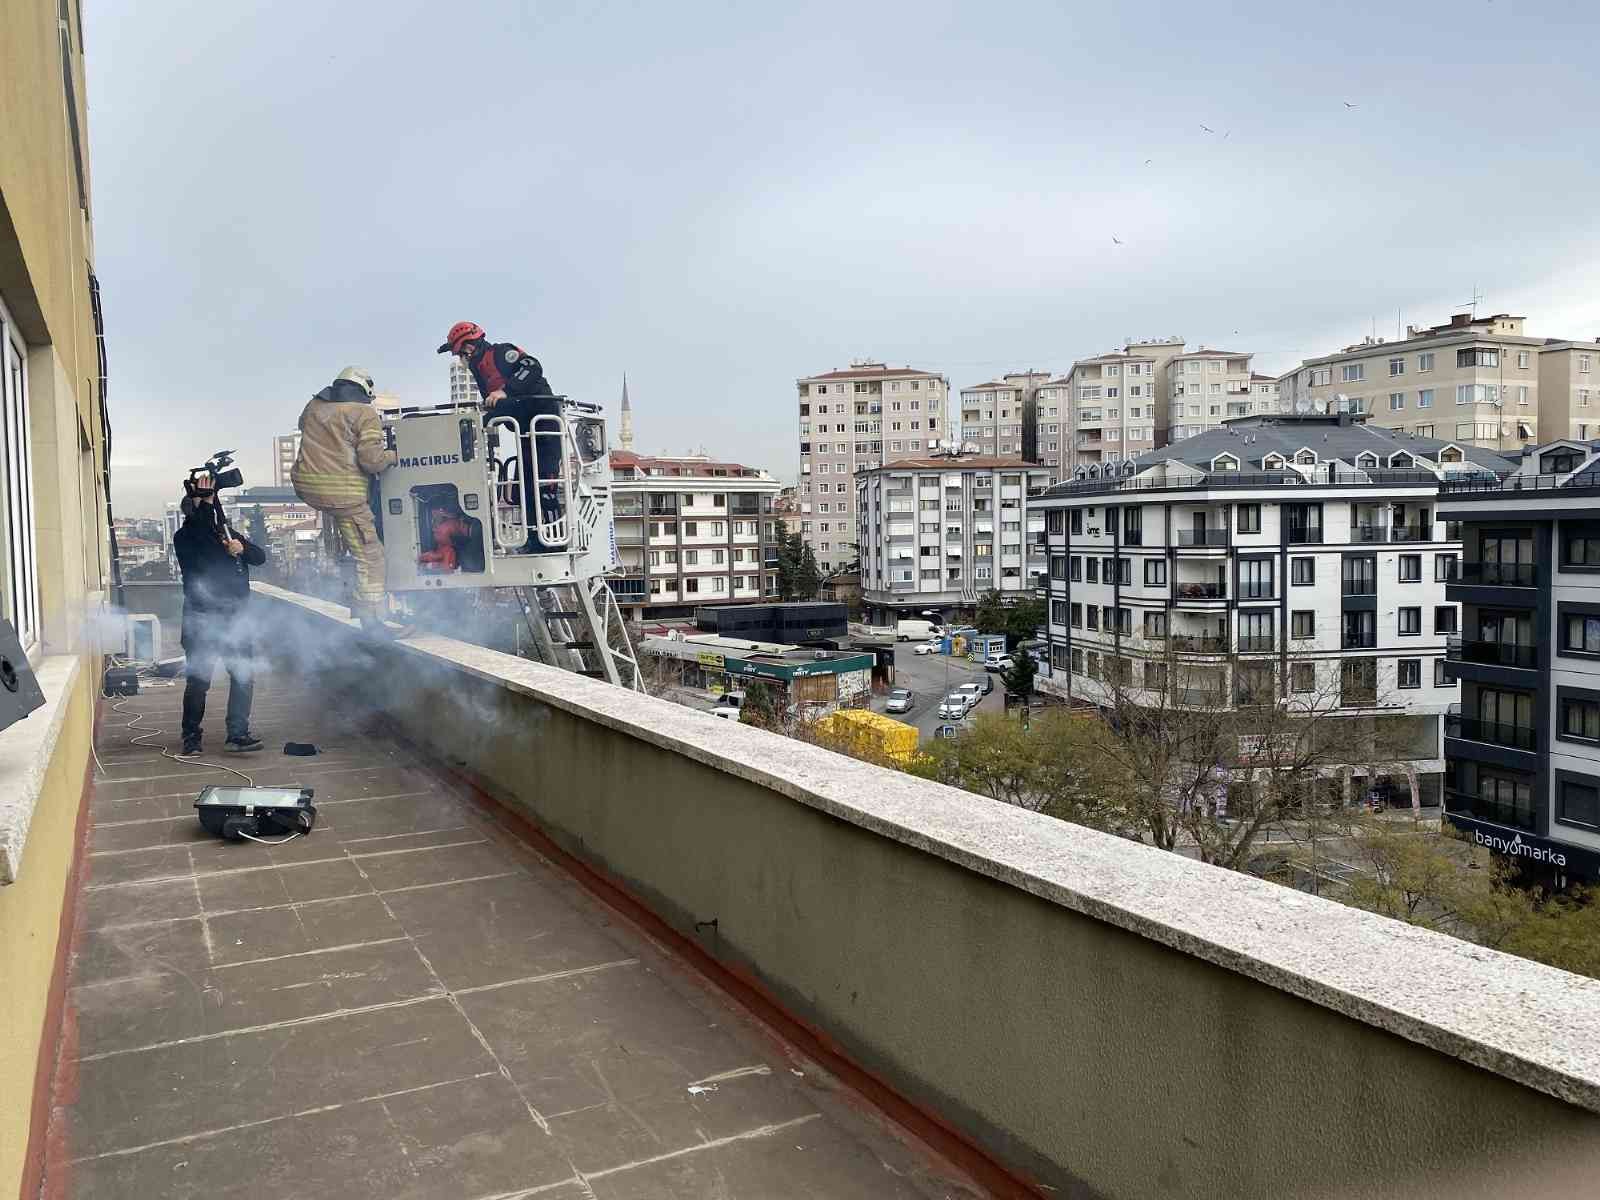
846	212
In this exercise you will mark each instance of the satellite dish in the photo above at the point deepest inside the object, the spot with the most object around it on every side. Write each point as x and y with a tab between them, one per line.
1302	405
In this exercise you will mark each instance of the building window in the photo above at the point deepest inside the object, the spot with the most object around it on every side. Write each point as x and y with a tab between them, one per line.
1361	576
1255	579
1303	623
19	581
1155	624
1579	804
1397	401
1358	680
1155	572
1580	634
1581	548
1425	361
1249	518
1092	569
1302	571
1426	431
1076	525
1353	372
1478	356
1092	616
1360	630
1302	677
1124	571
1076	616
1411	568
1440	678
1409	672
1410	622
1580	719
1075	568
1397	366
1444	618
1446	567
1425	398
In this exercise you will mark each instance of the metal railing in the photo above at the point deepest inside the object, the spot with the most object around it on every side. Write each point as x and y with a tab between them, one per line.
1255	591
1198	643
1202	537
1410	533
1492	654
1257	645
1201	697
1307	536
1497	574
1501	812
1199	591
1243	479
1494	733
1522	483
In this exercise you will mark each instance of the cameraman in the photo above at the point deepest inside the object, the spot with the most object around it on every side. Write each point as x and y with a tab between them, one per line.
215	560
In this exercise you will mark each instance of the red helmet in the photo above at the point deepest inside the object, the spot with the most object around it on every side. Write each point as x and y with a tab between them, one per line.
460	333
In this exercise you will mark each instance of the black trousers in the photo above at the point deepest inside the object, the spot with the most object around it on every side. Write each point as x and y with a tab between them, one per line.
201	666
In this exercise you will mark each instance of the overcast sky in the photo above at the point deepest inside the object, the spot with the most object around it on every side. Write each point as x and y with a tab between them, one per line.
718	198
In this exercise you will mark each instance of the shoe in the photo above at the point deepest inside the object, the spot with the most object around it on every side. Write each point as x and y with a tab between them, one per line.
191	748
245	743
374	626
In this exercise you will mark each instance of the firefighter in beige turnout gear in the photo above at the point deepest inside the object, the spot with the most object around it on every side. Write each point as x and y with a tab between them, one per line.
341	445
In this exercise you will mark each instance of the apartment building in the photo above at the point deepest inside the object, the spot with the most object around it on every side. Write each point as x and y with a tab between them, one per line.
1202	385
1569	390
939	532
285	449
691	531
858	419
1522	749
55	565
1002	418
1264	398
1116	404
463	387
1276	555
1481	380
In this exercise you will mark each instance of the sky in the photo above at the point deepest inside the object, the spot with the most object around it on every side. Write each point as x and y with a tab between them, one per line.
718	199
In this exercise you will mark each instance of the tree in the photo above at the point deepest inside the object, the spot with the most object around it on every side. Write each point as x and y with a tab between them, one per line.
990	616
808	577
763	706
1019	679
798	575
1023	619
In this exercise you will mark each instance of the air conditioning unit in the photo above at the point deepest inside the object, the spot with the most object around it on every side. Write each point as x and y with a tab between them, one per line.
143	642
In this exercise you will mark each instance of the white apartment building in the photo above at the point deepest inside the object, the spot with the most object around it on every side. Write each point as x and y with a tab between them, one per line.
1273	556
1473	379
463	388
1263	401
1002	418
691	531
1201	385
939	532
858	419
285	449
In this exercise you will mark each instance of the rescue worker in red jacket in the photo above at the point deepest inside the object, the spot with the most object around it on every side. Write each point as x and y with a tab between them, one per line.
512	384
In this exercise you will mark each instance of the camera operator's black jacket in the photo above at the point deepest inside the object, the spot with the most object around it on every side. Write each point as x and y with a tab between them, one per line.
216	585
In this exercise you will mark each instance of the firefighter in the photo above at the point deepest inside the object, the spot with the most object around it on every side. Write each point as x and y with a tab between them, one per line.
341	447
512	384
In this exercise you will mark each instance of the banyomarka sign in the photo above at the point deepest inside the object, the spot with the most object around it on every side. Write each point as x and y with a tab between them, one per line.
1529	848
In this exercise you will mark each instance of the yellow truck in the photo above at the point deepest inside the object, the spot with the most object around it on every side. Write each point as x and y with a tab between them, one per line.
860	732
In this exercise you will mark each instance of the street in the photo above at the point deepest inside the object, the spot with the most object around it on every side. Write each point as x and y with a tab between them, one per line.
931	677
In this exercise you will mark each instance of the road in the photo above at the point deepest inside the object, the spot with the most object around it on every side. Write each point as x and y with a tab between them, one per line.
930	677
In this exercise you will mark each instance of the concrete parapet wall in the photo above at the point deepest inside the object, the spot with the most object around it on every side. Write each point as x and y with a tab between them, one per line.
1101	1017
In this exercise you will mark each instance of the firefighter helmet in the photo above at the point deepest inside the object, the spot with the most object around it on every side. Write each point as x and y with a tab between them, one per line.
461	333
361	378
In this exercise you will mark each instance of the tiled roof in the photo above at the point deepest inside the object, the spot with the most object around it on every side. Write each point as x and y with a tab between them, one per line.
964	463
1251	440
645	462
873	372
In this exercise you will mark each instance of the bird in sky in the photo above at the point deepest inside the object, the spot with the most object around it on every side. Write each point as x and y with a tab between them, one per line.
1347	104
1208	129
1148	161
1116	239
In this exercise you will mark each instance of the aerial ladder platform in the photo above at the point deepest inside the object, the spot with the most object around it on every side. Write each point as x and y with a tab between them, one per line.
466	507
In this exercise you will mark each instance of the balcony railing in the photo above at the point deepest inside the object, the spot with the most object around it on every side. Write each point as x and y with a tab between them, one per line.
1359	587
1202	537
1198	643
1310	535
1517	816
1257	645
1199	591
1497	574
1494	733
1411	533
1370	533
1255	591
1201	697
1492	654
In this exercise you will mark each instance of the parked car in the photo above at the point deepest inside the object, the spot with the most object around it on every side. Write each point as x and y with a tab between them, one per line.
973	691
926	648
899	701
729	705
953	707
997	662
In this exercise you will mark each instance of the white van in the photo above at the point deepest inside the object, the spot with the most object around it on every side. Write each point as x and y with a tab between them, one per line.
915	630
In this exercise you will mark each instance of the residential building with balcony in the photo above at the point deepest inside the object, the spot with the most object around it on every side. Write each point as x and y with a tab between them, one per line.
858	419
1202	385
1278	555
1478	380
463	387
1002	418
1118	404
691	531
285	449
1522	748
940	532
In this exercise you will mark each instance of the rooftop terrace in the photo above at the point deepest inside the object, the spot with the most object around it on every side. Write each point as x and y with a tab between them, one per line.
414	1002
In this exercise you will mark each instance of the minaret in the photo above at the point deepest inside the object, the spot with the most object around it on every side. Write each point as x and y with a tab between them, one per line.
627	416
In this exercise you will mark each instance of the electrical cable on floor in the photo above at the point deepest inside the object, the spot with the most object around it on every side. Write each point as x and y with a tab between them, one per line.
146	733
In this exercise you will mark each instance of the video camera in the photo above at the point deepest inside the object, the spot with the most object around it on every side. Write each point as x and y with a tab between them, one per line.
223	474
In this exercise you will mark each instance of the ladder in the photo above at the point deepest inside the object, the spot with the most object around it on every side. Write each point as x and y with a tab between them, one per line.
578	627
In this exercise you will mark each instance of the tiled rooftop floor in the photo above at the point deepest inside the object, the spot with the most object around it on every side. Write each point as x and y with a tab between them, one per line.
407	1003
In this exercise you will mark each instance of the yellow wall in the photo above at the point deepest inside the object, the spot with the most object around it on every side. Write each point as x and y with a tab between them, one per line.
30	920
46	252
